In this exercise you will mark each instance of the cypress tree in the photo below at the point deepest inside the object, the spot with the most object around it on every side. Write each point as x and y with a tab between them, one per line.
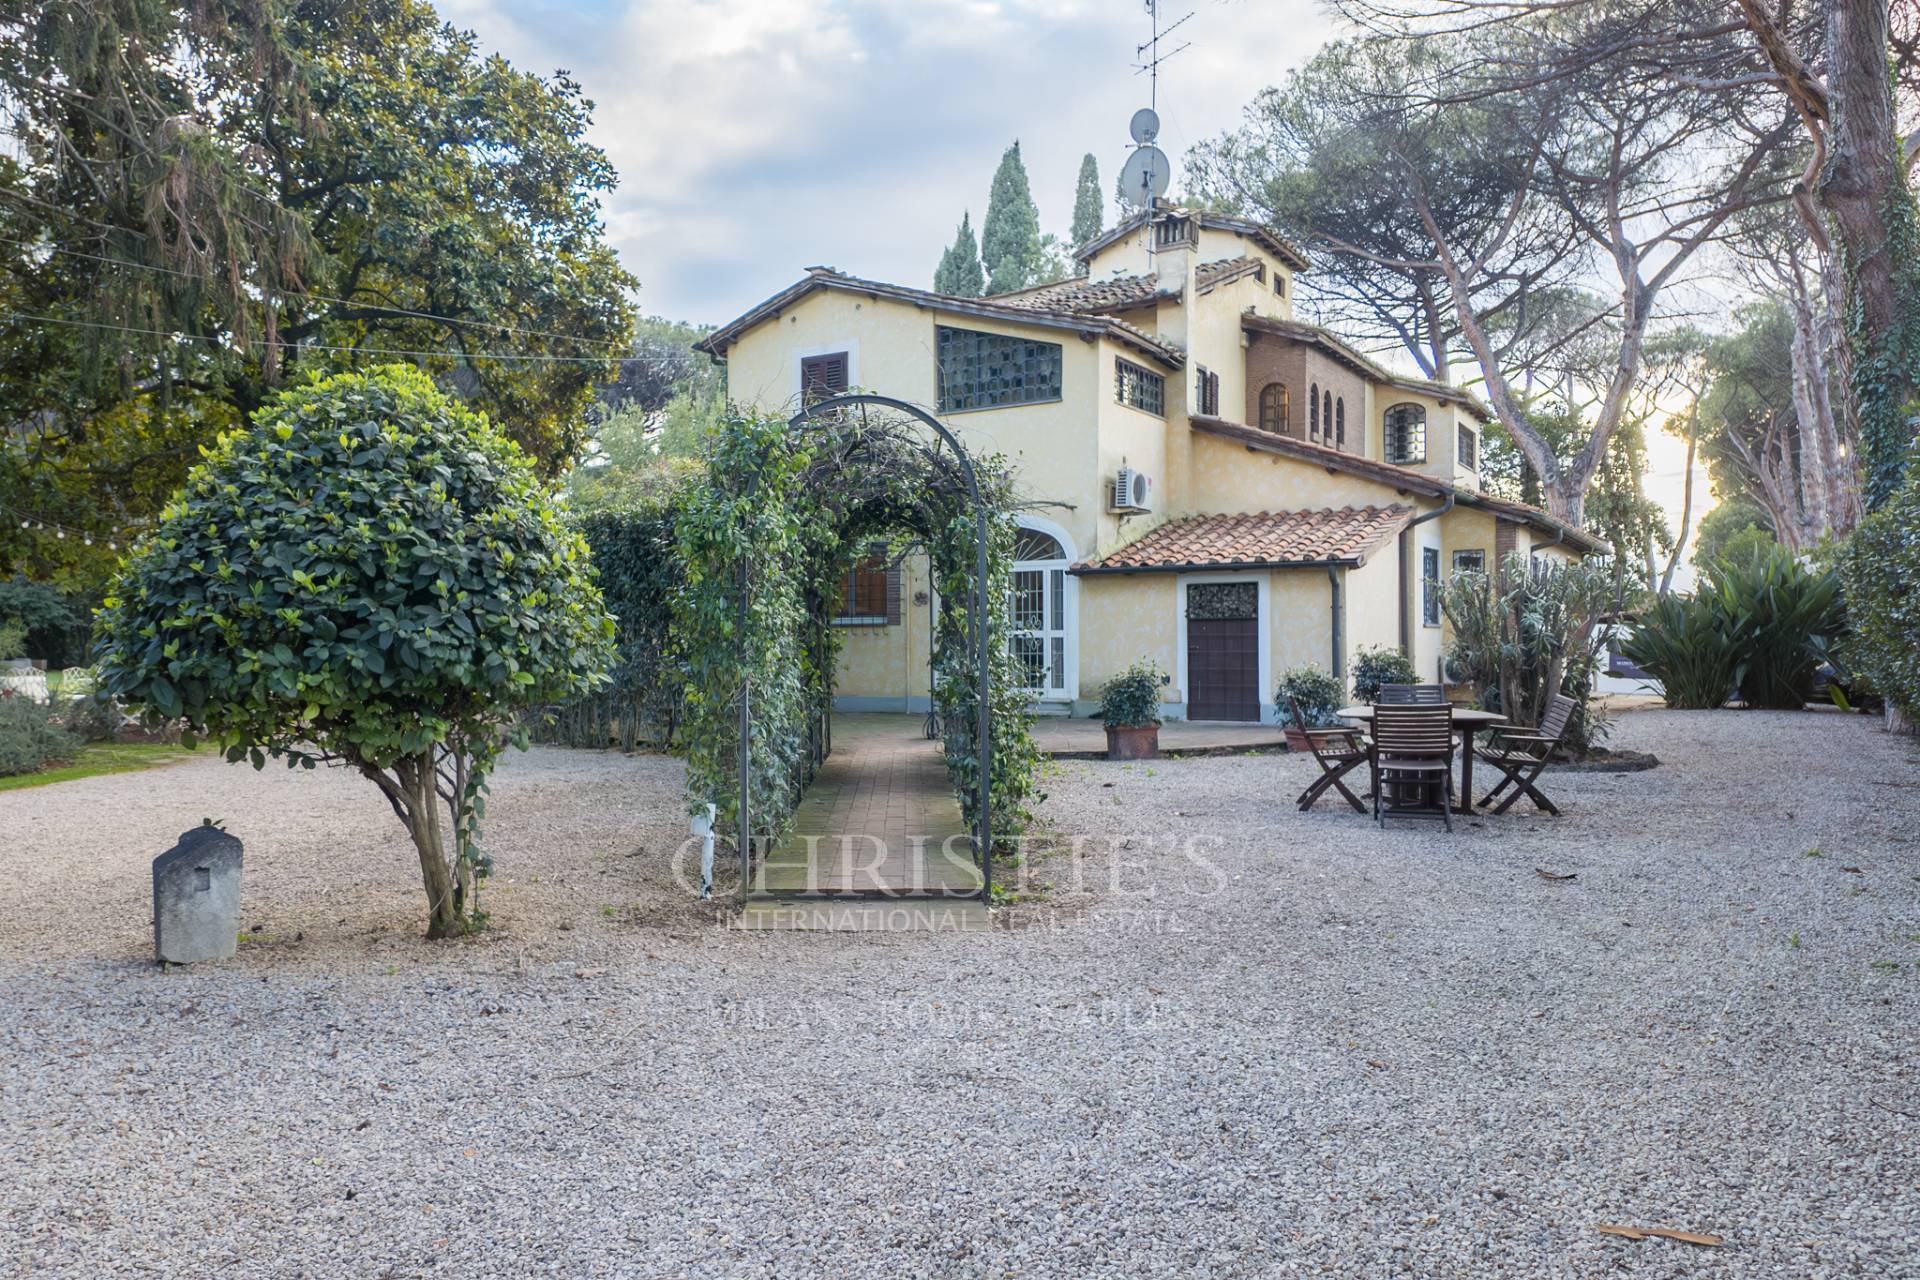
1010	236
959	274
1089	208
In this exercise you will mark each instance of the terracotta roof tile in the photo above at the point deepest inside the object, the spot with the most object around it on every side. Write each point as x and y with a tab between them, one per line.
1343	535
1116	293
1210	275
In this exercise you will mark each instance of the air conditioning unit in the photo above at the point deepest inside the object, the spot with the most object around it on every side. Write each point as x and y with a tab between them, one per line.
1132	491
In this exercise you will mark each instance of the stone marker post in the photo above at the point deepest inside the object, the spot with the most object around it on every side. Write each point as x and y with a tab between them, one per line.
196	898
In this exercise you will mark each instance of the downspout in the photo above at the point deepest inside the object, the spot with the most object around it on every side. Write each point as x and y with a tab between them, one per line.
1337	607
1406	569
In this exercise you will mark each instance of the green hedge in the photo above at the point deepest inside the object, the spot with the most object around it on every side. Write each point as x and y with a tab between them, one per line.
640	570
1880	568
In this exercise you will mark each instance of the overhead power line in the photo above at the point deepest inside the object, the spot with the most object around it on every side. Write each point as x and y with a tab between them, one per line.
402	312
441	354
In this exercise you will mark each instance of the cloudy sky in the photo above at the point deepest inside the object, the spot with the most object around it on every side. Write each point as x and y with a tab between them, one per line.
758	137
755	138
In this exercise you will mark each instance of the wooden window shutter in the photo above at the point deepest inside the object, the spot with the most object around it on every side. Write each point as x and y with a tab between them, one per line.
893	595
823	377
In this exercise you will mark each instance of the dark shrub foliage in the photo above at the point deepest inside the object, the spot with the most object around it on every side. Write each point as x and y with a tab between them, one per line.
31	736
1132	698
1881	569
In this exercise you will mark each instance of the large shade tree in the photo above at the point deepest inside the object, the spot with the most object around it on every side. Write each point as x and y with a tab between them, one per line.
368	575
200	200
1589	170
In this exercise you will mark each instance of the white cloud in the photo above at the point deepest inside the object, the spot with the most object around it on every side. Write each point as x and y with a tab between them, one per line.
756	137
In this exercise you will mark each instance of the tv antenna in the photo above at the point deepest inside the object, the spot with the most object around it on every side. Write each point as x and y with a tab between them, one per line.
1151	51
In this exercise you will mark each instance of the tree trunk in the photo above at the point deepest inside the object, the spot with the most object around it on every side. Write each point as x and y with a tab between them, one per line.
1860	188
1862	173
417	780
1686	498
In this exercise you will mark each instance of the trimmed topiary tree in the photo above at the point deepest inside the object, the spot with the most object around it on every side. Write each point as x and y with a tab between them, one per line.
369	575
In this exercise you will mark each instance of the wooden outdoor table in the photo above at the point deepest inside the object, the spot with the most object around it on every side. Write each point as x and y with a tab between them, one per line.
1467	721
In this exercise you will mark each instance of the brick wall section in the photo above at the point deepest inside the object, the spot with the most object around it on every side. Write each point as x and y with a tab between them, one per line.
1271	358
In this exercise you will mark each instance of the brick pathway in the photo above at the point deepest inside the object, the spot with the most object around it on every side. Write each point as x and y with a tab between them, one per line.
881	818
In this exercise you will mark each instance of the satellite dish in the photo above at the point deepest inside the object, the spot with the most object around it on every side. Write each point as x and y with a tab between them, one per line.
1146	126
1145	177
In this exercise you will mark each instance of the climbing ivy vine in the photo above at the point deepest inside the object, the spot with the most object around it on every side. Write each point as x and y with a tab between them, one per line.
1885	368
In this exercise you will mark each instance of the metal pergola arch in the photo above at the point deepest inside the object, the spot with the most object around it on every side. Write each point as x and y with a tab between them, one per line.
978	641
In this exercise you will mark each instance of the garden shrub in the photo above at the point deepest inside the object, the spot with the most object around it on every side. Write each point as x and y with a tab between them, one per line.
1880	567
1756	628
31	736
1318	692
1381	664
1132	698
1685	643
1786	614
13	638
371	575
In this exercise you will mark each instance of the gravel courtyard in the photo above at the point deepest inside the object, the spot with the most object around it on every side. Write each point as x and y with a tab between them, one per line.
1232	1041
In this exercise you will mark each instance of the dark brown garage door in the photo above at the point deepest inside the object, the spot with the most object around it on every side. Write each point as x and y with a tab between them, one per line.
1223	651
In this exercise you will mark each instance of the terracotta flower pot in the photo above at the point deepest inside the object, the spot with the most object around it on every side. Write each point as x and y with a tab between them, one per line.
1133	742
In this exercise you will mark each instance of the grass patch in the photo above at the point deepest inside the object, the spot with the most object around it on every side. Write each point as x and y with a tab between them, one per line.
102	758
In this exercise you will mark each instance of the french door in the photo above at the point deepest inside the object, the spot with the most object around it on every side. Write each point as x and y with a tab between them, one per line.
1039	612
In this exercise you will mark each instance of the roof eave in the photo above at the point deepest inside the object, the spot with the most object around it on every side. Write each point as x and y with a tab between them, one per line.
1217	566
716	343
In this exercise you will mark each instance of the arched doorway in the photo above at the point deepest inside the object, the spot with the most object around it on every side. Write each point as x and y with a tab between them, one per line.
1044	608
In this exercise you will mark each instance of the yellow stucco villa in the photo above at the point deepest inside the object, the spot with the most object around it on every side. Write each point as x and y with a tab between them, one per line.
1207	482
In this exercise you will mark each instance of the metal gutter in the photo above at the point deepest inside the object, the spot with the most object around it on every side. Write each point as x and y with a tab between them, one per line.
1406	569
1337	607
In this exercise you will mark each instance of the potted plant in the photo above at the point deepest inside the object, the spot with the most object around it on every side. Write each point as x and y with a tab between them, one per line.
1130	704
1319	696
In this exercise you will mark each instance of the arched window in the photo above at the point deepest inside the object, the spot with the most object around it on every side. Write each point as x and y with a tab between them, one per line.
1275	409
1313	411
1326	416
1340	423
1405	429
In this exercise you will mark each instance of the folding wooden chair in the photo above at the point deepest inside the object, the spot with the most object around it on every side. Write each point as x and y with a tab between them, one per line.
1412	755
1423	695
1339	751
1521	755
